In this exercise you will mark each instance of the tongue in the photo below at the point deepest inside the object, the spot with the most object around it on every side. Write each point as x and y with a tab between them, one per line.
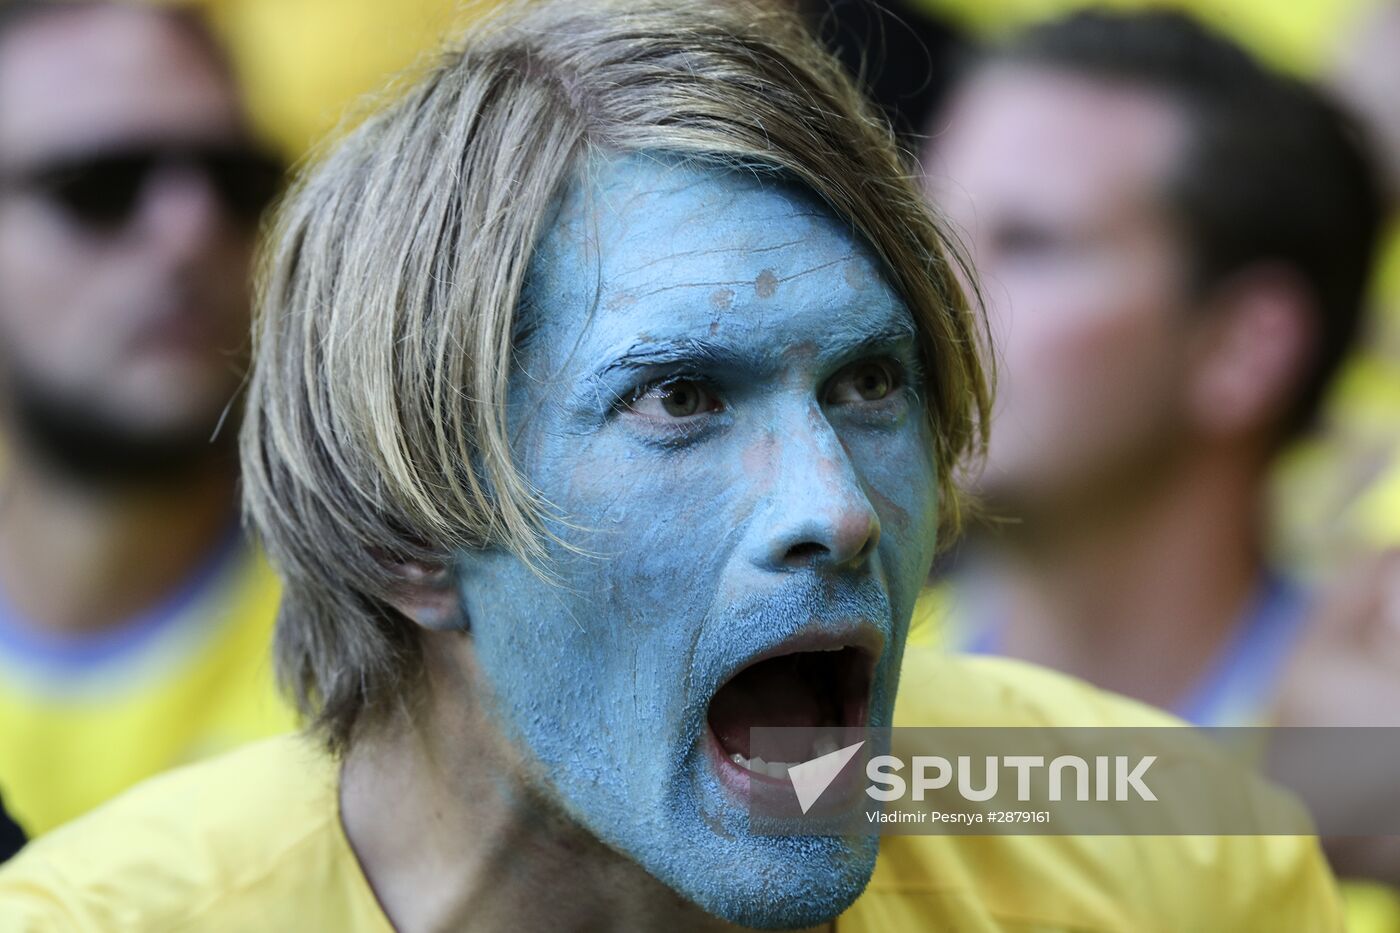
771	693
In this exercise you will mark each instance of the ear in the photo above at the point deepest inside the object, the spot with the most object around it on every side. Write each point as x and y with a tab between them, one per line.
1256	341
427	595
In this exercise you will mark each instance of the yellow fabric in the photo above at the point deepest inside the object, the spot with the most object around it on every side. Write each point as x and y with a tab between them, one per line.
1081	883
1368	907
253	841
250	841
928	627
1371	907
72	739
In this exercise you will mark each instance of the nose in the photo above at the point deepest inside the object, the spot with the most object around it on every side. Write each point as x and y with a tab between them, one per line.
182	215
818	513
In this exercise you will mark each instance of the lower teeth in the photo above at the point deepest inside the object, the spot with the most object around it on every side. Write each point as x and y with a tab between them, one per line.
779	769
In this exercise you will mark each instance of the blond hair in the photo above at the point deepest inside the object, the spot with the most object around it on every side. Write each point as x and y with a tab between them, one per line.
375	431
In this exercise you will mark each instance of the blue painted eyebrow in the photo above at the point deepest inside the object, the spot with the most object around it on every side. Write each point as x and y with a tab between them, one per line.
691	350
667	353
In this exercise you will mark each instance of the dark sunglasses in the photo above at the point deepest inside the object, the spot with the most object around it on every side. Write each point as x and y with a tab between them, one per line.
103	190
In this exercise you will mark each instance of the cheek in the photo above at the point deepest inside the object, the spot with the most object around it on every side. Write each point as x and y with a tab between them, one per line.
1077	341
33	290
630	593
54	318
614	489
901	482
662	524
40	254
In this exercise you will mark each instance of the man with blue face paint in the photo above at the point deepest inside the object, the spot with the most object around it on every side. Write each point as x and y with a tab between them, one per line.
607	391
724	394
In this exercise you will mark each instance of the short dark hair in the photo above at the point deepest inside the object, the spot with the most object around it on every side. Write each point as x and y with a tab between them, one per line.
904	56
1273	170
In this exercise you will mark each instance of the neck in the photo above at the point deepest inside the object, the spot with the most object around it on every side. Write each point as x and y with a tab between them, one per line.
1139	598
468	844
78	558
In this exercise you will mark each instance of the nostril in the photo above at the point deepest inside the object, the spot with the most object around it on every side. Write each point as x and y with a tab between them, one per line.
868	547
804	553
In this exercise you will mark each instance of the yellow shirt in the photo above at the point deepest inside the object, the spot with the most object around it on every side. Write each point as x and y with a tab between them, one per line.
79	723
1369	907
1145	884
253	841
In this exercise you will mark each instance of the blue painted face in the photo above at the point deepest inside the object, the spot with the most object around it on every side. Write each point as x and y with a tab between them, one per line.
719	393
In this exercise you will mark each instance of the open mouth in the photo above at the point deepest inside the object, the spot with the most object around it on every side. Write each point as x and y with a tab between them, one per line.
816	693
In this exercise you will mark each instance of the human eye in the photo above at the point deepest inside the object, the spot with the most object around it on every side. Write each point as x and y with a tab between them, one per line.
1027	241
672	400
868	382
1024	239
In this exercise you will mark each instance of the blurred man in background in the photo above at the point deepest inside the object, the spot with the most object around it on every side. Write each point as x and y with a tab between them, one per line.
1174	246
134	618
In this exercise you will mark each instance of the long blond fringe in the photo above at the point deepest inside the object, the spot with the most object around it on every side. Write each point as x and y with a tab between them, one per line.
375	430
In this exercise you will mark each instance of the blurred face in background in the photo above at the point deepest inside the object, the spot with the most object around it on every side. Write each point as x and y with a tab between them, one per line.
1056	182
129	193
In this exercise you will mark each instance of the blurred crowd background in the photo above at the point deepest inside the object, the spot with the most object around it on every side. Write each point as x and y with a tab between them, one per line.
1179	217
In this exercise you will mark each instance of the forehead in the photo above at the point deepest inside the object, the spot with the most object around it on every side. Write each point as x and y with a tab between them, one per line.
1039	136
71	79
645	248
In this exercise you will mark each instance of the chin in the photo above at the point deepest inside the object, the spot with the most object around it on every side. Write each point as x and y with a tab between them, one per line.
783	883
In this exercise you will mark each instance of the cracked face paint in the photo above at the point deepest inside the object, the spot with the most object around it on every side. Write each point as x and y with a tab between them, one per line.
719	394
